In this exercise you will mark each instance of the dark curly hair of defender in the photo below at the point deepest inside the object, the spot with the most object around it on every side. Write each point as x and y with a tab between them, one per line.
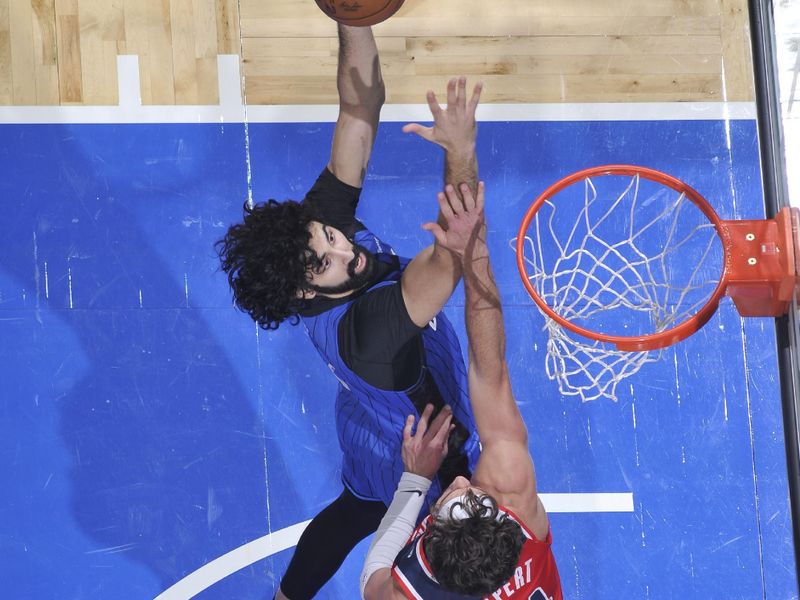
266	259
476	555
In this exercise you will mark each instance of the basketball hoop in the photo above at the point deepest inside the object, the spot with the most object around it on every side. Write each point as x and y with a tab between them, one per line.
633	260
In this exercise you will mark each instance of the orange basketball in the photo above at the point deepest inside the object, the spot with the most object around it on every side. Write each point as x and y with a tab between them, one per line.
359	12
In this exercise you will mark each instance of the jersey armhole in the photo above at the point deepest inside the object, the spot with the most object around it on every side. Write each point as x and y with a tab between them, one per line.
402	583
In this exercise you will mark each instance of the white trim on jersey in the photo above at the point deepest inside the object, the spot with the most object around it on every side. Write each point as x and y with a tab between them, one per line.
408	586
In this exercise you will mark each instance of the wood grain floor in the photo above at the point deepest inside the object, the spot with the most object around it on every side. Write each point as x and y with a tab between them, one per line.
63	52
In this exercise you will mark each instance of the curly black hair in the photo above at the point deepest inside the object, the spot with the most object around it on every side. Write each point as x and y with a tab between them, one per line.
266	258
476	555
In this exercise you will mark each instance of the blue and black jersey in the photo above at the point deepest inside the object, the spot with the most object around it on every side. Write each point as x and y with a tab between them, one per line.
387	367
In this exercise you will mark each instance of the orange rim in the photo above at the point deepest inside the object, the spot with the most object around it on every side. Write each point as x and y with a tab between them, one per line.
652	341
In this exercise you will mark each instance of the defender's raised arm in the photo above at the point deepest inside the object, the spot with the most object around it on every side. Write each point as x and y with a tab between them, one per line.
505	468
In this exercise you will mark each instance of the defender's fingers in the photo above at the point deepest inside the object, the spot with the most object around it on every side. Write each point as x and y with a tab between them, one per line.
422	426
440	418
461	92
451	93
437	232
468	197
420	130
479	200
476	97
455	200
433	104
444	203
408	427
443	431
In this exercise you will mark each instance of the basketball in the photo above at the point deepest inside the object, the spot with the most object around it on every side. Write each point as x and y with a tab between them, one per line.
359	13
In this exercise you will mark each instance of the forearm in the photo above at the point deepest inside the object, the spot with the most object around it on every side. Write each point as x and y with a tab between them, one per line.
361	95
396	526
359	80
428	282
461	166
484	313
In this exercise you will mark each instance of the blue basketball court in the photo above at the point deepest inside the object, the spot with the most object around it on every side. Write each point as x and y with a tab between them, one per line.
156	444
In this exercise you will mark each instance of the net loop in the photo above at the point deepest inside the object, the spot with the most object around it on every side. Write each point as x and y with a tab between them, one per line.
632	262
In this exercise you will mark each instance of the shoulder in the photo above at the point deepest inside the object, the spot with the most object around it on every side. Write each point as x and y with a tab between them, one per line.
531	516
334	202
329	187
506	472
382	586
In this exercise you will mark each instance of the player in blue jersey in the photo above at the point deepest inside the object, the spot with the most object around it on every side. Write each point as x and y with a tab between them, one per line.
374	317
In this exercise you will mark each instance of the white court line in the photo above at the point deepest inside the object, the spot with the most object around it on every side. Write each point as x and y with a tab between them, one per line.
587	503
129	85
263	547
231	110
229	563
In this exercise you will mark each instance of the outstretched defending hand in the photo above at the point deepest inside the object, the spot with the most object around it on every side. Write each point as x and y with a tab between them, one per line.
464	220
424	451
454	127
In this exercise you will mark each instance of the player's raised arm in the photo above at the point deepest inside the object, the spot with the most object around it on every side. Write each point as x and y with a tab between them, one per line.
496	411
432	276
454	129
505	468
361	96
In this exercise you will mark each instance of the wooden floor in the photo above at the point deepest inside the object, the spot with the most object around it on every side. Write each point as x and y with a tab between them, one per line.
64	51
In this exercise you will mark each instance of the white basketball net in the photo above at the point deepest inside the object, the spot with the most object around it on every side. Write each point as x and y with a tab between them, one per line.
644	269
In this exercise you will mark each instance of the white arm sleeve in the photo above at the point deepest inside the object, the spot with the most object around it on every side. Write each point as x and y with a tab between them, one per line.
396	526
